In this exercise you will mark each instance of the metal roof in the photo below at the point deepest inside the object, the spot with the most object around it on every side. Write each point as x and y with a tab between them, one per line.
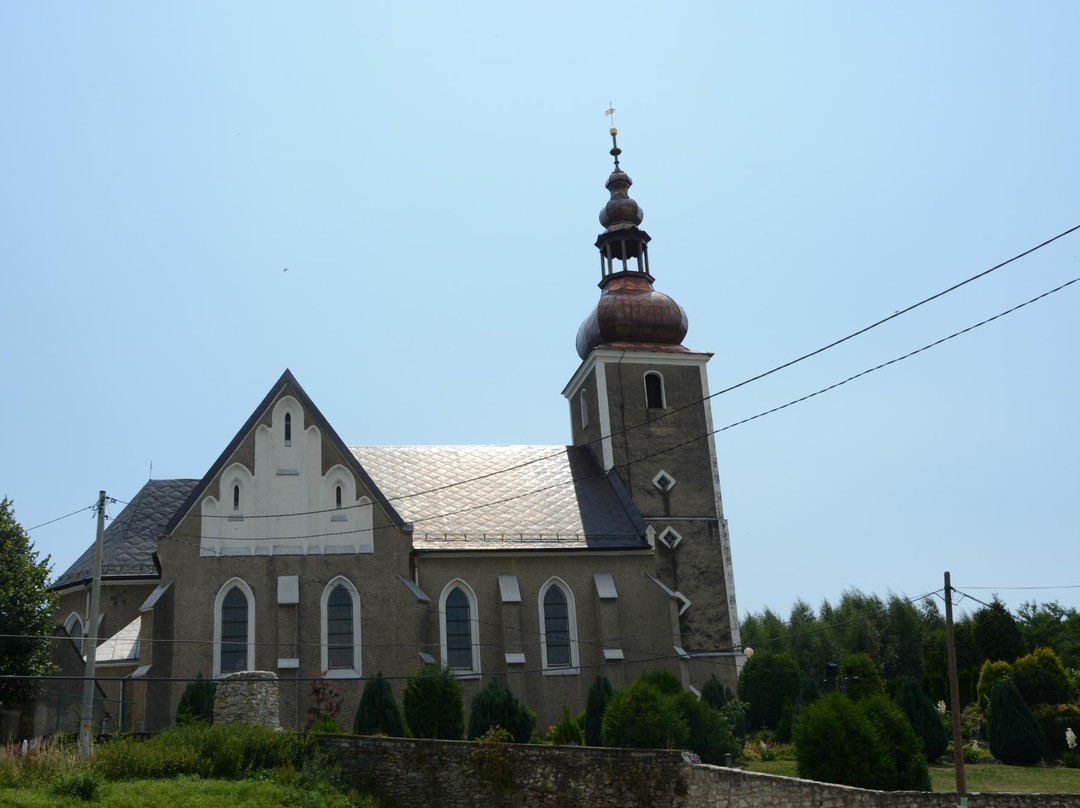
504	497
130	540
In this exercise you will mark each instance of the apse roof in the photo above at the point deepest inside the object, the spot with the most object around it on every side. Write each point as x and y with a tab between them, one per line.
504	497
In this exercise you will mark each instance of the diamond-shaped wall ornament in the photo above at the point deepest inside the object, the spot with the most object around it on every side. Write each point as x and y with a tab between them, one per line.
664	481
670	538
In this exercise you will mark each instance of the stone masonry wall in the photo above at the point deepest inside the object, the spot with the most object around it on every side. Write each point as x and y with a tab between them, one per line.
457	774
247	697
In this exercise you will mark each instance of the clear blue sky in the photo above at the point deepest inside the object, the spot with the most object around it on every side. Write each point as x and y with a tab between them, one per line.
430	174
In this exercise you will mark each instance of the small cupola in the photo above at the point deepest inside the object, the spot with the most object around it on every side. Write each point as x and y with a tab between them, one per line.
630	313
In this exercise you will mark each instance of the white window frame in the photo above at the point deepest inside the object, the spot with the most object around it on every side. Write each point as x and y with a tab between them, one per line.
663	389
583	406
242	585
571	615
74	619
474	627
324	646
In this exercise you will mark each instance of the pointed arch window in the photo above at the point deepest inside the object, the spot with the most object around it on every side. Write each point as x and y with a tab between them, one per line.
74	627
234	628
337	497
583	405
340	629
654	391
236	497
460	628
558	628
288	429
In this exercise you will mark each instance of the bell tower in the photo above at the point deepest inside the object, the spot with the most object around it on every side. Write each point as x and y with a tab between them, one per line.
639	399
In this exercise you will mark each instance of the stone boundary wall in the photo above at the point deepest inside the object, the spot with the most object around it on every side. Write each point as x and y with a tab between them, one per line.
458	774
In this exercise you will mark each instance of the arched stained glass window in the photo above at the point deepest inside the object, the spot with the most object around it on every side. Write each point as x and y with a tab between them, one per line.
234	631
556	627
339	628
459	651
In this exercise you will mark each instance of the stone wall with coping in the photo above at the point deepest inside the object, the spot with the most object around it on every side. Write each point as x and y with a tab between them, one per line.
247	697
458	774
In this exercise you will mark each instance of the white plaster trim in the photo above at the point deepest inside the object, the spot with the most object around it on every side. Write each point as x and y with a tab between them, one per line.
289	662
670	537
663	389
241	584
474	626
509	589
725	536
661	474
514	659
288	590
613	655
607	451
605	586
324	649
571	616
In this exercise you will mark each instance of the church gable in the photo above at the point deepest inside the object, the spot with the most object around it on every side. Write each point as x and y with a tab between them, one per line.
285	485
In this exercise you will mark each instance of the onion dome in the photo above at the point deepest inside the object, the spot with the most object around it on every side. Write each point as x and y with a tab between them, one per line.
630	313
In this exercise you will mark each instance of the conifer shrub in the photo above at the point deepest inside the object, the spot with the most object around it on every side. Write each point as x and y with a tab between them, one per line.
924	718
1014	733
861	677
1041	678
567	731
378	711
197	702
989	675
497	706
664	681
902	744
713	694
434	704
836	743
708	733
600	693
641	717
767	682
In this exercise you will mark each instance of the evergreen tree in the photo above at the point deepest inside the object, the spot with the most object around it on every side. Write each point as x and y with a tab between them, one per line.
768	681
924	718
496	705
26	611
997	634
197	702
600	693
989	675
712	693
641	717
378	711
1041	678
902	745
434	704
861	677
1014	733
836	743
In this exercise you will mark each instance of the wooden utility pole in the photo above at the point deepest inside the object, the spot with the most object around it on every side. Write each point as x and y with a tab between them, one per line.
90	638
954	697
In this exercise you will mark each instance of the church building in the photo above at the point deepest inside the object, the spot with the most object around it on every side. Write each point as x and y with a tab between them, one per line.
540	566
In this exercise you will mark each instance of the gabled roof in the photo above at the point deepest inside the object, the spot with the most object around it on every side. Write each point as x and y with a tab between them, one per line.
286	382
505	497
130	540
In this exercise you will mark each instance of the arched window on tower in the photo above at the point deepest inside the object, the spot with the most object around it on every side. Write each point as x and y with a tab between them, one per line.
654	391
583	405
288	429
337	496
236	497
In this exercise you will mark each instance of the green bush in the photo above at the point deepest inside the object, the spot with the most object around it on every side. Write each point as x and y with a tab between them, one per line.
378	711
1014	734
1055	719
496	706
664	681
836	743
768	681
567	731
712	693
990	674
639	716
924	718
1041	678
434	704
600	693
81	782
708	733
902	744
861	677
197	702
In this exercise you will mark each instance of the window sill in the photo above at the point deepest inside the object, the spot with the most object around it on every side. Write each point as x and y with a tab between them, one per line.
572	671
342	673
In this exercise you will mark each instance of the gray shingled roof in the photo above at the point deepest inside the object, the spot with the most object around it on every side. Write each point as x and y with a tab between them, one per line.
131	538
517	497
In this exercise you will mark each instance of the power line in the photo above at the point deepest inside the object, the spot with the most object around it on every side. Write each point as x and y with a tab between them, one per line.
743	383
65	516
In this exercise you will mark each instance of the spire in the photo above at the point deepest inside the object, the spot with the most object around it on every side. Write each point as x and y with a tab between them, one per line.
630	313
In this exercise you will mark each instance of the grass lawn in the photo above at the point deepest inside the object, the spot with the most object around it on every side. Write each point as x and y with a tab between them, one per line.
187	792
984	777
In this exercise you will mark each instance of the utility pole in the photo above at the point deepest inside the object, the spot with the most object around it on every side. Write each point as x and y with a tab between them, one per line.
86	719
954	698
